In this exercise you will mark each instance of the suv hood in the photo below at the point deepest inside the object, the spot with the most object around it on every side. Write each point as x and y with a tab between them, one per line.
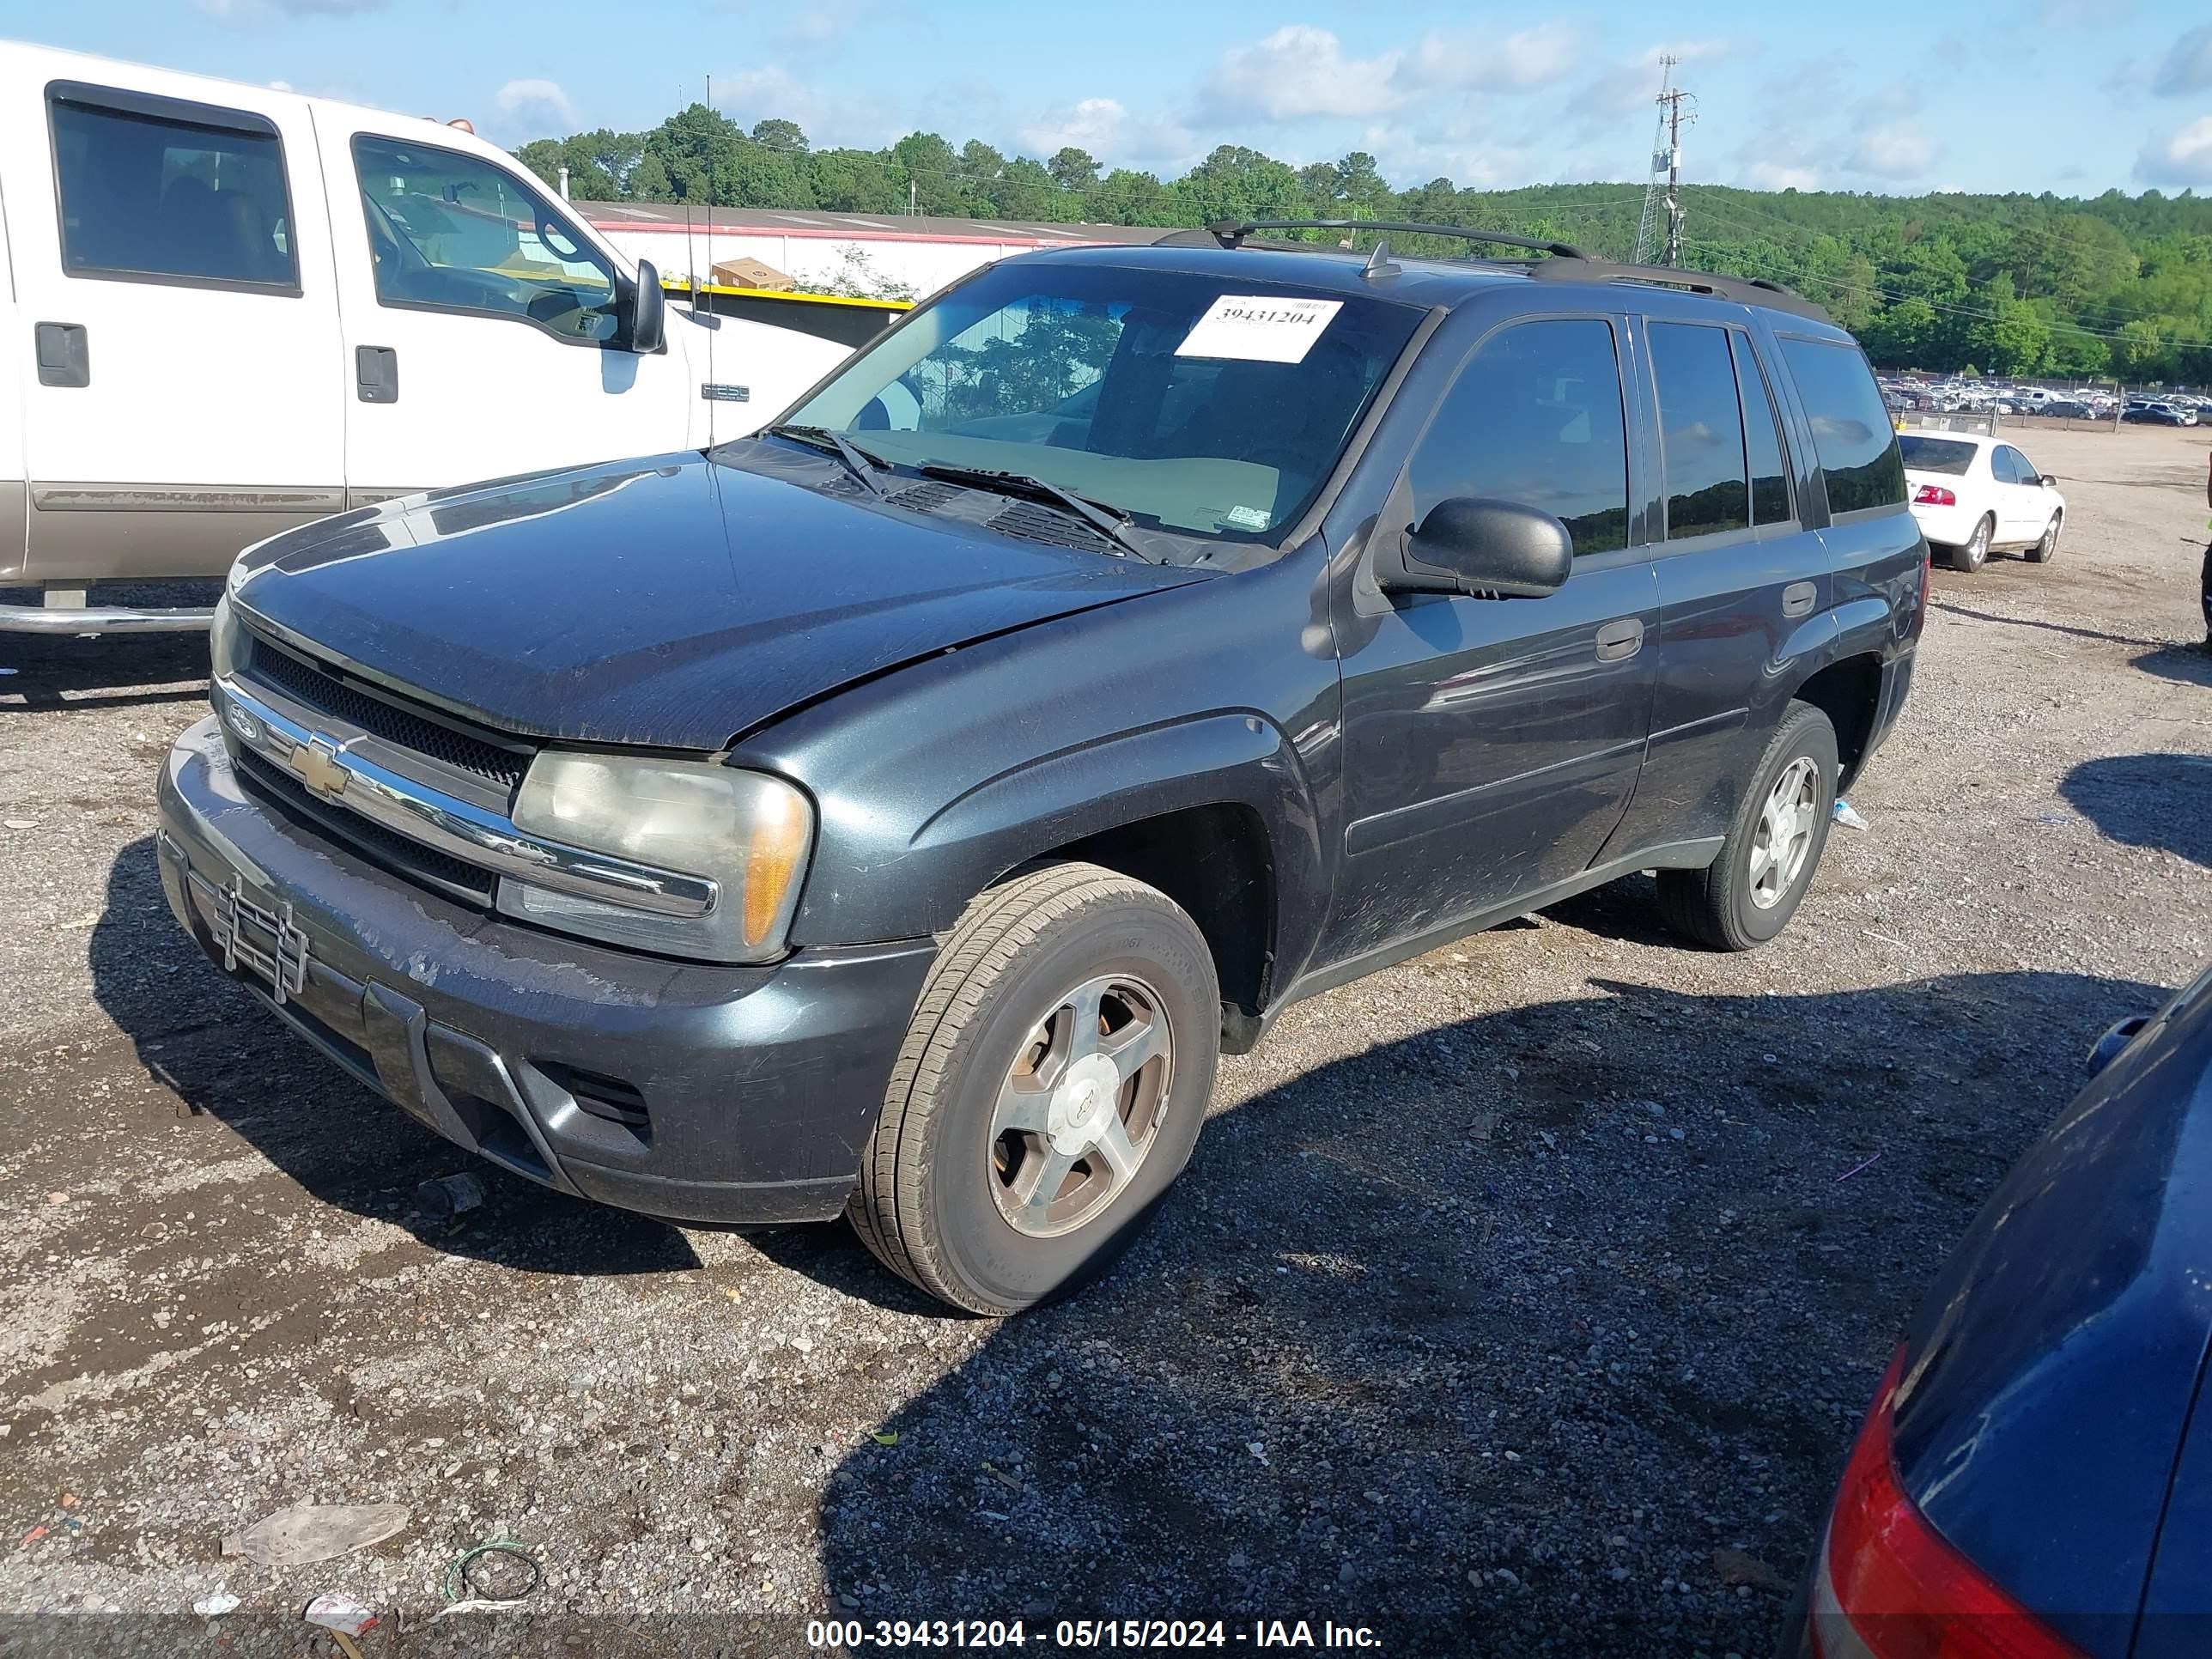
671	601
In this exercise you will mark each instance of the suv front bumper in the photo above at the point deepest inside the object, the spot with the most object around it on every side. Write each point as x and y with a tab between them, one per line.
688	1091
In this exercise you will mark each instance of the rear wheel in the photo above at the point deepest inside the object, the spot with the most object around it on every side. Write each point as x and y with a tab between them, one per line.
1974	552
1051	1086
2047	548
1748	895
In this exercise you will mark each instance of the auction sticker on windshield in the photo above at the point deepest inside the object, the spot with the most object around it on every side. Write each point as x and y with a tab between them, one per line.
1257	329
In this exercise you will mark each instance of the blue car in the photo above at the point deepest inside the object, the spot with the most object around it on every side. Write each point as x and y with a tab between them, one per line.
2034	1477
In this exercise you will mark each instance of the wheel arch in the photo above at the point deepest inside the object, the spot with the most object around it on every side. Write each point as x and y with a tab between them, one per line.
1849	692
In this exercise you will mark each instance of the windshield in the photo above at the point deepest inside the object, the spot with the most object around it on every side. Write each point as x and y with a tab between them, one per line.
1198	405
1936	455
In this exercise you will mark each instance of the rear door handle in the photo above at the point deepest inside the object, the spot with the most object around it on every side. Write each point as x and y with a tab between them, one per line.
1617	641
376	373
1797	598
64	357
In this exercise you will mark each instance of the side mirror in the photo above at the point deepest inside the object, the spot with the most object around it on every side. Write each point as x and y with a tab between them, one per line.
648	310
2048	482
1474	544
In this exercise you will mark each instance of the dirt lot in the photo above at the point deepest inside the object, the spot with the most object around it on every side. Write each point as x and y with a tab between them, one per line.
1506	1288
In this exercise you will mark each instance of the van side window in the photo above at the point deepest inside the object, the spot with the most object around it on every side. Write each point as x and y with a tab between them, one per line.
1700	431
1535	418
1762	438
450	232
1851	431
196	197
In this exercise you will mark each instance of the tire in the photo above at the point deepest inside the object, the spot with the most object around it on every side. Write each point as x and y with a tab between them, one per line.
1974	553
1727	905
2045	550
942	1181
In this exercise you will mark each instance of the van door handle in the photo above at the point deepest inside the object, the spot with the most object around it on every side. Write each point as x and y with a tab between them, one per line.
1797	598
1617	641
376	373
65	357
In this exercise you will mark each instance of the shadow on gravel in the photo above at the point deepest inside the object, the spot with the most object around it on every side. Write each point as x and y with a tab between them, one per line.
2191	665
2163	801
1972	614
223	1053
1458	1339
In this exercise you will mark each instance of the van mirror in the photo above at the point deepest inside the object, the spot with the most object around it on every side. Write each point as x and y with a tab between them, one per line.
647	321
1474	544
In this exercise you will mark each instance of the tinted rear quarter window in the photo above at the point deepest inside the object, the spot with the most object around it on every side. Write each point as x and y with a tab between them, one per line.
1535	418
1852	432
146	196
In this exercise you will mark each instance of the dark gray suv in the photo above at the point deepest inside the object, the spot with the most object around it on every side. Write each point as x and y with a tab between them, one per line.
898	812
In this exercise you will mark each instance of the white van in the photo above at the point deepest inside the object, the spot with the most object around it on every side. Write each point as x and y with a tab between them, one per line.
232	309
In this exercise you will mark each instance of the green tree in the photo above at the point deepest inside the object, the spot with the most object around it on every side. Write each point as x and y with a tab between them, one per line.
1124	197
780	135
1072	168
928	163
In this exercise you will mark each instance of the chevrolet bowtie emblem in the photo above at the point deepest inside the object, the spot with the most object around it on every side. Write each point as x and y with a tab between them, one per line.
316	761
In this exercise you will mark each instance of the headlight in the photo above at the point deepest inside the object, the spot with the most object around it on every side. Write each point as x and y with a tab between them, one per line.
747	833
223	642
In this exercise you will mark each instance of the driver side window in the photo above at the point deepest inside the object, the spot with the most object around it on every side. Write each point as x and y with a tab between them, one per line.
450	232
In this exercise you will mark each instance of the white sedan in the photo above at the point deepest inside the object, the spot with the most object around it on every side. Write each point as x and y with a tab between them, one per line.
1974	494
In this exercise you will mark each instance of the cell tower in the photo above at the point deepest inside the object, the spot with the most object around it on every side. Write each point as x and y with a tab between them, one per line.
1659	232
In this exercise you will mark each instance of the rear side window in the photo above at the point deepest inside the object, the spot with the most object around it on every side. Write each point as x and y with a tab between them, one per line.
1535	418
1852	432
156	196
2002	467
1945	455
1700	431
1762	438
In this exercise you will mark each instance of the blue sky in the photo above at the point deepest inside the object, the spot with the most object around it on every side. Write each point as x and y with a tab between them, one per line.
2073	96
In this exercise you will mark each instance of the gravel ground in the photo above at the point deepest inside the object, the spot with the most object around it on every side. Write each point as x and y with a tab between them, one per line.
1521	1299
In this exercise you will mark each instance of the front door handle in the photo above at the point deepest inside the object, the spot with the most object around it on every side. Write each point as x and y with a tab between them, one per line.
1797	598
65	357
1617	641
376	373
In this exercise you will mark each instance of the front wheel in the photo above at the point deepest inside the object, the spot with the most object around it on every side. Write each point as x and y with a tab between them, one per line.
1748	895
2047	549
1051	1087
1971	555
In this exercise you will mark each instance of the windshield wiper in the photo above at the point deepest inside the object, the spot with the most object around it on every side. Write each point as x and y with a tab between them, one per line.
868	469
1108	521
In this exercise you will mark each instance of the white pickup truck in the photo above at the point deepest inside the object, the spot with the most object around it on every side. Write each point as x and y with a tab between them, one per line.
232	309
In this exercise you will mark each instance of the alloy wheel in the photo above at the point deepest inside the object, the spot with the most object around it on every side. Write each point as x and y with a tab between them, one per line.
1080	1107
1784	836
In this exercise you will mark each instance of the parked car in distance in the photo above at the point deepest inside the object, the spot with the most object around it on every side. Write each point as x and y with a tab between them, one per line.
234	308
2034	1477
898	812
2159	414
1975	495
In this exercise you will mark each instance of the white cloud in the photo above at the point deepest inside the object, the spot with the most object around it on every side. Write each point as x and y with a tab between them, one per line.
1781	175
1301	71
1108	130
2187	66
1477	60
534	99
1895	149
2183	157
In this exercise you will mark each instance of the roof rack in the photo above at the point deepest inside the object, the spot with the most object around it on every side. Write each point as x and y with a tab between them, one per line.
1231	233
1568	262
1744	290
